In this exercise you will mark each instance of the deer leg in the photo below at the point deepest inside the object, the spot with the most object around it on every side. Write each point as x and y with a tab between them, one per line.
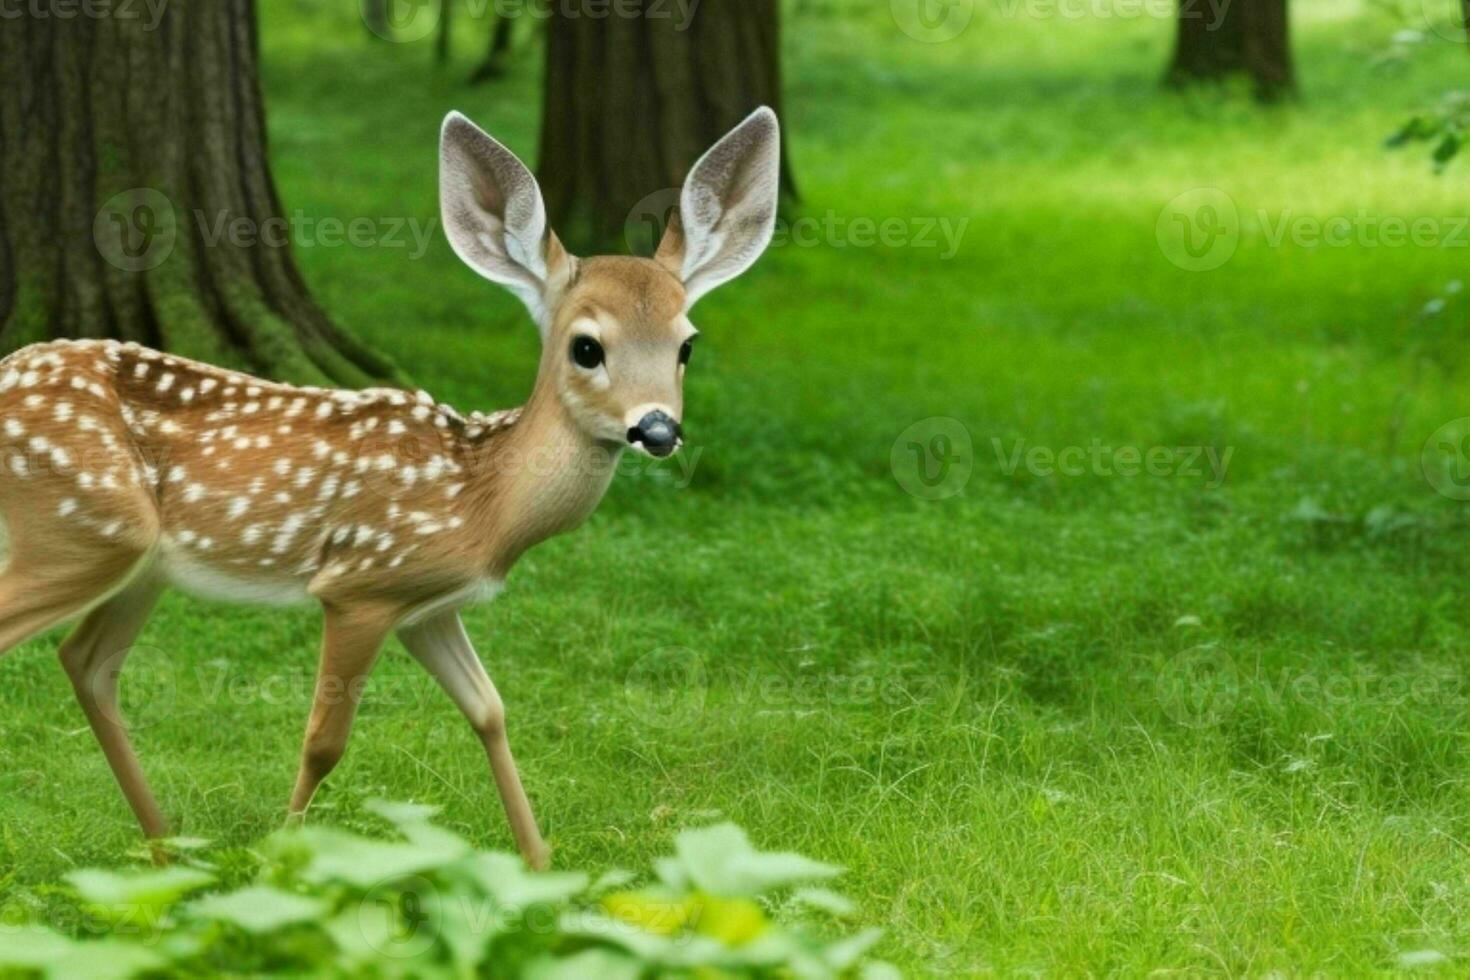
351	640
440	644
93	656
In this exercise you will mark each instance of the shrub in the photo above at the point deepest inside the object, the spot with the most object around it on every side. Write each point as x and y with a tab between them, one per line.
424	903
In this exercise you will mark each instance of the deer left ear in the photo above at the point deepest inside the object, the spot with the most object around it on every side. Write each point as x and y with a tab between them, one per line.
727	211
494	216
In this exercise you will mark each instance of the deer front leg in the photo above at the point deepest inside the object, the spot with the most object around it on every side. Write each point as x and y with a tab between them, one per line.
440	644
351	640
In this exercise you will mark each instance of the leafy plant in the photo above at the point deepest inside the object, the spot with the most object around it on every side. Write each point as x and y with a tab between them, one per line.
1445	126
424	903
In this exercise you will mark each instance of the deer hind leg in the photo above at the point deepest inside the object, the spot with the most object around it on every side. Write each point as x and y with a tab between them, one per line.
441	646
93	656
70	555
351	640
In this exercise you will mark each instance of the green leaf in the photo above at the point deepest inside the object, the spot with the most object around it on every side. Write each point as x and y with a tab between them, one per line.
120	891
604	964
362	862
186	843
612	881
671	873
32	947
721	861
259	909
105	959
825	900
844	953
506	879
399	814
1448	148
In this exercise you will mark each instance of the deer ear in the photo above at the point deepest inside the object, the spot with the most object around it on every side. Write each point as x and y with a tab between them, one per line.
727	211
494	216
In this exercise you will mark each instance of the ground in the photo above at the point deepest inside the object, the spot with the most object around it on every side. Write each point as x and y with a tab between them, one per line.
1050	723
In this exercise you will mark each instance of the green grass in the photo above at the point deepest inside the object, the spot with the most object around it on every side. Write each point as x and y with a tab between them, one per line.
1053	724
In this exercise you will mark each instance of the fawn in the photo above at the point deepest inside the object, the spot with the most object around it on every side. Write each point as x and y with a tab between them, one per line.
124	471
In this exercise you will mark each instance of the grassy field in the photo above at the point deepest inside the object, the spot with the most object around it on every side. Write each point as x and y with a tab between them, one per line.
1055	722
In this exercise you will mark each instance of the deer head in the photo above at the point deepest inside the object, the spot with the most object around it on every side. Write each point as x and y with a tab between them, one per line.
615	331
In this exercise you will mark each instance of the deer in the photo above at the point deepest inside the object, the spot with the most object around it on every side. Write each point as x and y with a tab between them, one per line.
126	471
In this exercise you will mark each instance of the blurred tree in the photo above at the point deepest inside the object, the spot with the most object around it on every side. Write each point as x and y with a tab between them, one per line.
1220	38
632	102
137	201
443	42
500	37
375	16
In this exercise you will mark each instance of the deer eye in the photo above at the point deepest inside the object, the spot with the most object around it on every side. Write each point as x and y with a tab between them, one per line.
587	353
686	351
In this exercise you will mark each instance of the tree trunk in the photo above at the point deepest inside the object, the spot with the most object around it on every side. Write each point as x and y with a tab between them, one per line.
632	102
1221	38
443	41
375	17
136	201
500	37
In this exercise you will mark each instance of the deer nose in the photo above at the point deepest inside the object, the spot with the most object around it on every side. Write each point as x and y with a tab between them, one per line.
657	433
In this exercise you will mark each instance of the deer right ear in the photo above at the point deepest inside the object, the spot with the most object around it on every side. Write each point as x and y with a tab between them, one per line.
727	211
494	216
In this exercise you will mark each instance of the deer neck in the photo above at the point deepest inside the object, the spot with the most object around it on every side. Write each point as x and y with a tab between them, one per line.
543	477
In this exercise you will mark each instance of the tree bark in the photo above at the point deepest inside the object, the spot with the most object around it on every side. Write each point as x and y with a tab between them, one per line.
136	199
1218	39
633	101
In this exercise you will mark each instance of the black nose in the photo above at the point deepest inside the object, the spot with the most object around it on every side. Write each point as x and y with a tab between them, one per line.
658	433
